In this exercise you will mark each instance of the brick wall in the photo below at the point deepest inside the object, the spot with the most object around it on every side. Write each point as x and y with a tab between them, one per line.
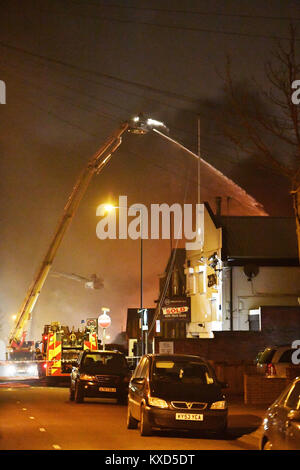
261	390
225	346
280	325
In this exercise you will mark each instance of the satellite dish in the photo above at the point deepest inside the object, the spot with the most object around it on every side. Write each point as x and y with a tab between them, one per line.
251	271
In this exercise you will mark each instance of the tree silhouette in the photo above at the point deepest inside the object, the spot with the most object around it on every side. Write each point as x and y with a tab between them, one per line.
265	122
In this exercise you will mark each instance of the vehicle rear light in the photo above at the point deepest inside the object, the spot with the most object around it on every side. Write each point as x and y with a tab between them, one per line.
271	370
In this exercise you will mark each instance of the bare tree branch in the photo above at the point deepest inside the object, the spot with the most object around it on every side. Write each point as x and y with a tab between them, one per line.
258	131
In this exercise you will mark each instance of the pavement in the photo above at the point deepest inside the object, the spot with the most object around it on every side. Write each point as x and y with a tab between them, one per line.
254	414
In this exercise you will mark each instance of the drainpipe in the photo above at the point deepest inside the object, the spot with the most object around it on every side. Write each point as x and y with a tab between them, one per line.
231	300
218	206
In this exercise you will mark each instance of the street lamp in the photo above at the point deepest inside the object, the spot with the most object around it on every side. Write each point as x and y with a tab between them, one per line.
110	207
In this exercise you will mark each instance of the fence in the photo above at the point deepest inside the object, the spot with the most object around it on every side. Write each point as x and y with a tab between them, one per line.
233	374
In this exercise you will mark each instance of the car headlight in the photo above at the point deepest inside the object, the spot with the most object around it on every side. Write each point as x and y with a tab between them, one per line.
10	370
218	405
87	377
32	370
158	402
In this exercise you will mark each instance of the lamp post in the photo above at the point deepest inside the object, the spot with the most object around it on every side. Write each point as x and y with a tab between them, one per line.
109	208
141	311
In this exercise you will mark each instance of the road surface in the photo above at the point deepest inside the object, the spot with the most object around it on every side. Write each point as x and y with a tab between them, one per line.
43	418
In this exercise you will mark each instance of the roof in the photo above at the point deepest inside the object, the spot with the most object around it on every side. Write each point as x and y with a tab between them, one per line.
272	238
180	255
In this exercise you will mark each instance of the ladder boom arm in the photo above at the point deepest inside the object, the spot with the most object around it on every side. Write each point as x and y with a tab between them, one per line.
95	165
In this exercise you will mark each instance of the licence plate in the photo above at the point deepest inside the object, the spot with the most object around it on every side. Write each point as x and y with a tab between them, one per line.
107	389
189	417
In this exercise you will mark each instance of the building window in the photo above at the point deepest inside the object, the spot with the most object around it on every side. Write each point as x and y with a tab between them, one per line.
191	284
173	329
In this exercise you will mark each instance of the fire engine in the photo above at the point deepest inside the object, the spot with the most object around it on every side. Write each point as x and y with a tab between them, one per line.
61	348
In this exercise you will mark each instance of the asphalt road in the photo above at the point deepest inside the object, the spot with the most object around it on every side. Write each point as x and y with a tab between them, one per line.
43	418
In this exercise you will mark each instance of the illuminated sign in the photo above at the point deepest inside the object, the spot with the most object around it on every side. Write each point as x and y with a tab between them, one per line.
173	310
176	309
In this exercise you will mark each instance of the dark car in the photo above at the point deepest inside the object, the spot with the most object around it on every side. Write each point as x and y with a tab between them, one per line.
281	426
176	392
100	374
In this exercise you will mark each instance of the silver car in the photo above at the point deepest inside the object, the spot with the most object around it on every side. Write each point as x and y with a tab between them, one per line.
281	426
274	361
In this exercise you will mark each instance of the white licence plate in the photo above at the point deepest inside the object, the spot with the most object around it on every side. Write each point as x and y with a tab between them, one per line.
189	417
107	389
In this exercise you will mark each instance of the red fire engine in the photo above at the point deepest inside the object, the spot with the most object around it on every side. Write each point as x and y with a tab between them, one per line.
61	347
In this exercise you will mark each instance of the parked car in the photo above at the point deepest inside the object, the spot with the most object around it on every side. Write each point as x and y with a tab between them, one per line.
176	392
281	426
274	360
100	374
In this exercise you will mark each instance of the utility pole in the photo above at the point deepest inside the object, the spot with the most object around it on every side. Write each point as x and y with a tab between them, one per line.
199	161
141	286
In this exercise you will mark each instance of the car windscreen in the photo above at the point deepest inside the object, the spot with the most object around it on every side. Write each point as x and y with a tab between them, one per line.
265	357
286	356
70	354
104	364
22	355
186	372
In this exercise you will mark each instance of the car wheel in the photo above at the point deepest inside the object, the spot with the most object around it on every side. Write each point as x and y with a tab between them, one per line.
50	382
145	427
267	445
72	394
131	422
79	393
123	400
222	433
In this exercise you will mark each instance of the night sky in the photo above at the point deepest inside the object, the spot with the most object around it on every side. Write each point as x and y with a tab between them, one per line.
74	70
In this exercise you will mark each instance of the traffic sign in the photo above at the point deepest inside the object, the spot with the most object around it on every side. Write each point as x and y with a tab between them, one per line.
104	320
